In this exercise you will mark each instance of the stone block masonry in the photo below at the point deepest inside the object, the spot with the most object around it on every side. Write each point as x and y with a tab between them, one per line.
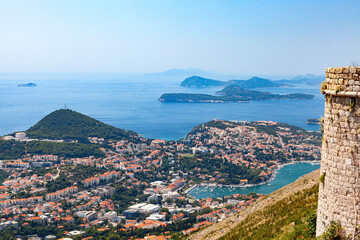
339	191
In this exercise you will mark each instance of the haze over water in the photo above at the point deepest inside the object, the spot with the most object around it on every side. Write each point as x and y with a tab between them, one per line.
132	103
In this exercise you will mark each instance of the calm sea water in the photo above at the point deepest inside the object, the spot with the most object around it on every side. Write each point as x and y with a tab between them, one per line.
286	175
130	102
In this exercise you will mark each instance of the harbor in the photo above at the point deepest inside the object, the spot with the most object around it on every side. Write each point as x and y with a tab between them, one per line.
286	174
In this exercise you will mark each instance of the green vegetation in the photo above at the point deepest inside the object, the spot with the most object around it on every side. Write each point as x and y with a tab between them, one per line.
41	230
207	164
352	104
70	125
256	82
322	178
14	150
333	232
323	87
290	218
231	93
123	197
72	175
240	93
3	175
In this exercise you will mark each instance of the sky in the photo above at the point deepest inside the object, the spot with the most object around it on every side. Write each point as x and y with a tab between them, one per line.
145	36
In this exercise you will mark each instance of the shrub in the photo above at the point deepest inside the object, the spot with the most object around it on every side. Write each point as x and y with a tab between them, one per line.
322	178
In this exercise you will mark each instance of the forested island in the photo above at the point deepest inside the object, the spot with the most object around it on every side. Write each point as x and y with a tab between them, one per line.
254	82
231	93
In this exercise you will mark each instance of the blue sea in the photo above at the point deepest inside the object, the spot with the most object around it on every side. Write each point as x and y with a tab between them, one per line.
131	102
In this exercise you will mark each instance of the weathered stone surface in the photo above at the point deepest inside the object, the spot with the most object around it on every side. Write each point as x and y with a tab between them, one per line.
341	151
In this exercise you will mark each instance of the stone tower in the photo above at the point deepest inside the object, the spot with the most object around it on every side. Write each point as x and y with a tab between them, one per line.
339	189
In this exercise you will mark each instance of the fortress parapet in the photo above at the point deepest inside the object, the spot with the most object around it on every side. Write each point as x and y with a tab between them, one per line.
339	187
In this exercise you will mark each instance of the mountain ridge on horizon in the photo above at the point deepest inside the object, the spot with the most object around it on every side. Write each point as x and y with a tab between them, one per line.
211	73
253	82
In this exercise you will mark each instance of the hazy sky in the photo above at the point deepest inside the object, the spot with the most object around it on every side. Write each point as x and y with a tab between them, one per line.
238	37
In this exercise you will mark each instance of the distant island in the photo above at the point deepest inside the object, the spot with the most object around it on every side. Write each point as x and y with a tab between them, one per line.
308	79
27	85
196	81
313	121
254	82
231	93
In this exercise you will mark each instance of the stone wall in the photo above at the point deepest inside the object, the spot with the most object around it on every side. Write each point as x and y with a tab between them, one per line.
339	189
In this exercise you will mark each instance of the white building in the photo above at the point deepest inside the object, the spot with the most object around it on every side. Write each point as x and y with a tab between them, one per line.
20	135
110	215
156	217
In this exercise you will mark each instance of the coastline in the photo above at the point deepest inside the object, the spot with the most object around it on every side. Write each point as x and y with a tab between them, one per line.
251	185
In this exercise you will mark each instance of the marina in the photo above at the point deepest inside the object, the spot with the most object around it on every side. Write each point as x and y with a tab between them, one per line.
285	175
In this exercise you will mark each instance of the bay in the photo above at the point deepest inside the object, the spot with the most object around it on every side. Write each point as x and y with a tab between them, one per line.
285	176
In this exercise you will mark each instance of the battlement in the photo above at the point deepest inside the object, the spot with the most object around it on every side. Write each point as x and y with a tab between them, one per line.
342	81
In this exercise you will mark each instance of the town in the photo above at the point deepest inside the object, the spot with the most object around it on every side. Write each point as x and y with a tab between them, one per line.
139	189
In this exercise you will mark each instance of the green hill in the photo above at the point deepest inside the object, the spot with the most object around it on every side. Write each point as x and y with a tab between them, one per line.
70	125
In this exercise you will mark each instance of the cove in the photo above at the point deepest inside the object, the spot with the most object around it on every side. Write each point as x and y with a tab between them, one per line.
286	175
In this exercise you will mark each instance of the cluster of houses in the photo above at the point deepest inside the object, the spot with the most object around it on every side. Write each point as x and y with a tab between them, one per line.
90	198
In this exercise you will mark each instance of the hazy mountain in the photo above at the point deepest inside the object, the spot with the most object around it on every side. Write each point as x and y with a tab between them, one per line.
181	72
196	81
254	82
